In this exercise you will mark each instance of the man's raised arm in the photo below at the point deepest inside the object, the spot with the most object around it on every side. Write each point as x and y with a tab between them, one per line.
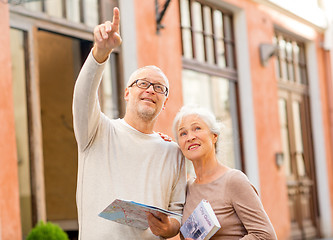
86	109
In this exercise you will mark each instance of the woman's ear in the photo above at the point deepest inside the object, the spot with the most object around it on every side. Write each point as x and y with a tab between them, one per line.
215	138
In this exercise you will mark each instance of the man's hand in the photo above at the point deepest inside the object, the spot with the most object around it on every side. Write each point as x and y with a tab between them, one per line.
162	225
106	37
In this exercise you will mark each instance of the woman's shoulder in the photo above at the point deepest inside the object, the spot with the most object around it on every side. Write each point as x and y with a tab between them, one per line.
237	180
235	177
236	174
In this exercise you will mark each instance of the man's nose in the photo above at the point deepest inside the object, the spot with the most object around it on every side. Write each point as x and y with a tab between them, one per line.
150	89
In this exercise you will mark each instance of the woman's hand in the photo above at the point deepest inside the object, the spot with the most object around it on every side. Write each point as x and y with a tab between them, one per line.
165	137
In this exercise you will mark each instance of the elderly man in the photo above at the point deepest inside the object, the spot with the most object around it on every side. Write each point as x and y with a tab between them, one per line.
124	158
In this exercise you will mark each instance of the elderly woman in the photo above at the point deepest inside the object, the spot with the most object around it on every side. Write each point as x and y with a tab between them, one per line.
233	198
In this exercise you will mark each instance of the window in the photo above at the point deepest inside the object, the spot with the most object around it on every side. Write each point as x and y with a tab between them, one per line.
110	95
291	65
77	11
207	35
209	71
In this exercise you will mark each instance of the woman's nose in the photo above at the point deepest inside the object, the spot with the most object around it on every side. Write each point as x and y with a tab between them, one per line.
190	137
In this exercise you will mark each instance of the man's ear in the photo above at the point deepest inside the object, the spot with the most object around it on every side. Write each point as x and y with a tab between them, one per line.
165	103
126	94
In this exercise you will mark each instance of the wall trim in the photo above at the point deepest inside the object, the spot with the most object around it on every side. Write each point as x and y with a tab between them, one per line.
246	99
128	34
319	142
298	14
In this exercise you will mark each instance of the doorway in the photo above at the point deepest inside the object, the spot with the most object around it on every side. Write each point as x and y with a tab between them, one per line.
60	59
299	164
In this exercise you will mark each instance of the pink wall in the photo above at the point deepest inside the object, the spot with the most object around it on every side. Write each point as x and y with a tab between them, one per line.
326	93
264	86
164	51
10	224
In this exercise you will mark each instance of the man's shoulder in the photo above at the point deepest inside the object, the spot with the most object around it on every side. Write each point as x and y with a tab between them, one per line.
169	144
111	121
110	124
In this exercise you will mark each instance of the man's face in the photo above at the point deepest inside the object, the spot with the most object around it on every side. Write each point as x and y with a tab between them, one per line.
146	103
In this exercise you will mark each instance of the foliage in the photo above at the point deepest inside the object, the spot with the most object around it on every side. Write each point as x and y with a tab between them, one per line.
47	231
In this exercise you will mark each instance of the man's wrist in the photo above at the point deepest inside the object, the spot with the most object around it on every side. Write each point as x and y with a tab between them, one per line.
174	229
100	55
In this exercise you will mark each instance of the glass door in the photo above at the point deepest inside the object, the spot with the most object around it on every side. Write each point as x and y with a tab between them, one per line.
299	164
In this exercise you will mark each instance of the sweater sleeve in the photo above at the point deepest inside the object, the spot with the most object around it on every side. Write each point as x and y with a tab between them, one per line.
249	208
86	108
177	200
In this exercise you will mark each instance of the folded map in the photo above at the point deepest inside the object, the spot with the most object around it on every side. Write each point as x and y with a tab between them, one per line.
131	213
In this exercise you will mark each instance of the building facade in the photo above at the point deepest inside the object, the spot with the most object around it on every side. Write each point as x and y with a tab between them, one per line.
264	67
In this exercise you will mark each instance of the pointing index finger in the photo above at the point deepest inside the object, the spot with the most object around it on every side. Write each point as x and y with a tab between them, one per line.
116	19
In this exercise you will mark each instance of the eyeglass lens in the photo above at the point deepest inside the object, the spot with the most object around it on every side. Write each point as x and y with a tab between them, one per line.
159	88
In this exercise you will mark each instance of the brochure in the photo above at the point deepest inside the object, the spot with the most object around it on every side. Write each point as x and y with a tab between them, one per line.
202	224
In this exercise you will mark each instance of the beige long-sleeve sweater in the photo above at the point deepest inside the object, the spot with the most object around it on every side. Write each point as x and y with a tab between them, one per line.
117	161
237	207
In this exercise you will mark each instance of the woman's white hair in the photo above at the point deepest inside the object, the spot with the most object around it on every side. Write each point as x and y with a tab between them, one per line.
204	114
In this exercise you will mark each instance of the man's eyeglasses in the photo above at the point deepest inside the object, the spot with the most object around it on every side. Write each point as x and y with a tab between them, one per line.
159	88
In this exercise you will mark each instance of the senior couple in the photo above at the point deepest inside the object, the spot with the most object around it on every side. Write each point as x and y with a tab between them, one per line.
125	158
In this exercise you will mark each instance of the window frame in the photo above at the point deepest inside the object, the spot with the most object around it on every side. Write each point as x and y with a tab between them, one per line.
227	72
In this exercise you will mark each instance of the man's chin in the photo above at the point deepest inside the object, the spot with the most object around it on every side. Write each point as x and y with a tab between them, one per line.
147	113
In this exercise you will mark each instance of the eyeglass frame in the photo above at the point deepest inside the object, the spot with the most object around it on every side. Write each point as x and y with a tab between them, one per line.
150	84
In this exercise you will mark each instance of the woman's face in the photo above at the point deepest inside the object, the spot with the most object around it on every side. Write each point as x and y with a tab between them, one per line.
195	139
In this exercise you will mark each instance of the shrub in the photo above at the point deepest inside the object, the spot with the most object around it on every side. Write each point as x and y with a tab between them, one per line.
47	231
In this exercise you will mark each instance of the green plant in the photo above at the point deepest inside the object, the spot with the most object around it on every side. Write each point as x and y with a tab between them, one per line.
47	231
